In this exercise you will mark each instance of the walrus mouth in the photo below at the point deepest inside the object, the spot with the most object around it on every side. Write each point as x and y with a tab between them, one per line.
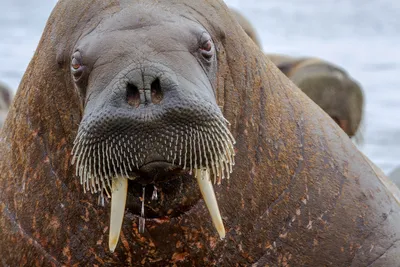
110	152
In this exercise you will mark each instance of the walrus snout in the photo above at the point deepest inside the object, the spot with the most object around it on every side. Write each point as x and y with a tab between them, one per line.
151	92
156	170
143	84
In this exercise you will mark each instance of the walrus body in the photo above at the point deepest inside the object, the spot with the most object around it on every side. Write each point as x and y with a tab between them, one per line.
5	102
300	193
327	85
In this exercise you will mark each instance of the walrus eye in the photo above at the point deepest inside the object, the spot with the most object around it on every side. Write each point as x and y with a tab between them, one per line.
206	49
76	63
77	67
207	46
79	73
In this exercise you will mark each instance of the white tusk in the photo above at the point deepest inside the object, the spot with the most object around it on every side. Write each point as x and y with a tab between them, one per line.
118	200
207	190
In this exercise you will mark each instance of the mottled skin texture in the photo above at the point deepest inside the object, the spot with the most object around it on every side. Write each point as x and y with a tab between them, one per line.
301	194
327	85
5	102
247	27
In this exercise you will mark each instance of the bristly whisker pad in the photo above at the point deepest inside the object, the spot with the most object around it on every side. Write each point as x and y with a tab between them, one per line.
106	147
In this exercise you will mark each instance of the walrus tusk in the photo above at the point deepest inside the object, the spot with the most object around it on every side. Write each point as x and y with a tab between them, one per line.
118	200
206	188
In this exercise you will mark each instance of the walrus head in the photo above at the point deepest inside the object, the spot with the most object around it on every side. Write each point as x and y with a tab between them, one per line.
332	89
150	113
338	95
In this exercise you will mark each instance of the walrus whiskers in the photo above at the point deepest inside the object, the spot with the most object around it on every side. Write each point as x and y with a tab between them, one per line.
218	158
103	150
212	154
195	141
185	160
205	149
199	146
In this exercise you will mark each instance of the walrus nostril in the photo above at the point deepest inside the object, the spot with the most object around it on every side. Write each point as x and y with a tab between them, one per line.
132	95
156	92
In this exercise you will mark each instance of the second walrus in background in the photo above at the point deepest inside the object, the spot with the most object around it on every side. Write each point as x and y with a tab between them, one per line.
328	85
5	102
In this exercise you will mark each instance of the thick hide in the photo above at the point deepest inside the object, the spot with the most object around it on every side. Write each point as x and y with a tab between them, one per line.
300	194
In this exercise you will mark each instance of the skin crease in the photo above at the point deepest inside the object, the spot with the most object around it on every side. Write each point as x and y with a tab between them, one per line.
301	194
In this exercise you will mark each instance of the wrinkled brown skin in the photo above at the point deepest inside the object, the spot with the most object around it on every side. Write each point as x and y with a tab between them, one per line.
5	102
247	27
327	85
301	194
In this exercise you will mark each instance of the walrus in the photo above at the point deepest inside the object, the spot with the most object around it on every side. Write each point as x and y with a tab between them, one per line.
328	85
5	102
247	26
323	82
112	75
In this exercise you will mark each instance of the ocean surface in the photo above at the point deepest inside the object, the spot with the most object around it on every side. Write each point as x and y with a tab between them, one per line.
362	36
